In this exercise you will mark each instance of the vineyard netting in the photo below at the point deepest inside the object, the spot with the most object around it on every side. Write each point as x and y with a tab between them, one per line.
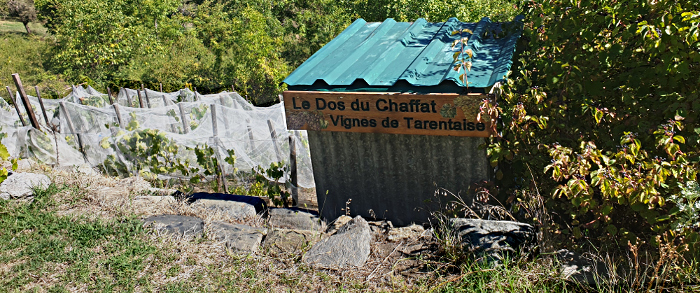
181	134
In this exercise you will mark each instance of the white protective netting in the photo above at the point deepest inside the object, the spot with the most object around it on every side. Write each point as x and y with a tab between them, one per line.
159	139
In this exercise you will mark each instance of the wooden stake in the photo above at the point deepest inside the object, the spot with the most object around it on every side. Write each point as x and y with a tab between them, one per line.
109	95
25	101
215	129
71	127
161	87
119	114
148	101
140	99
14	103
128	98
273	135
293	170
41	103
250	135
183	117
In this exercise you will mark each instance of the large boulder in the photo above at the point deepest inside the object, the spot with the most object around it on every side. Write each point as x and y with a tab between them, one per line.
237	206
349	247
176	224
492	238
21	185
295	218
241	238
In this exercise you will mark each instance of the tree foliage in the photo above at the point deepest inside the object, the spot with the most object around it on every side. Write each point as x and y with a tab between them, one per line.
213	44
23	10
602	114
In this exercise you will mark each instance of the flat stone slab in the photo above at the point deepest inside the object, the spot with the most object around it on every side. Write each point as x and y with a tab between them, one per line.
238	206
295	218
241	238
284	241
21	185
349	247
486	237
177	224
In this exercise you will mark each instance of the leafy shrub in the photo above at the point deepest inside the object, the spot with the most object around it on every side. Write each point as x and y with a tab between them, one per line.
604	102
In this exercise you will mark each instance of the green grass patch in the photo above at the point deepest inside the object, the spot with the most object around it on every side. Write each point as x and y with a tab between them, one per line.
9	26
26	54
35	241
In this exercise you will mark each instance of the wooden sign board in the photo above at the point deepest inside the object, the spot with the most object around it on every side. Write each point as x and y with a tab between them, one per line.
426	114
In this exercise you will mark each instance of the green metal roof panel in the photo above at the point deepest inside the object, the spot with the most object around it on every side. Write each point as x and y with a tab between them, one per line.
380	54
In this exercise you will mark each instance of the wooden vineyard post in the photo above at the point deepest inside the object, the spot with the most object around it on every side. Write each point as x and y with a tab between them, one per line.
273	135
119	114
165	104
148	101
161	87
215	137
250	134
222	101
25	101
71	127
109	95
41	104
293	170
14	103
214	125
128	98
165	101
140	99
185	124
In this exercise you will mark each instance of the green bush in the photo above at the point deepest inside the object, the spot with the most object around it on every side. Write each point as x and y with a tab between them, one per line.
602	113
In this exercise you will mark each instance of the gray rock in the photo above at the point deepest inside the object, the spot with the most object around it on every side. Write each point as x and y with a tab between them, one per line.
295	218
337	223
20	185
238	237
411	232
581	270
238	206
283	241
349	247
177	224
492	238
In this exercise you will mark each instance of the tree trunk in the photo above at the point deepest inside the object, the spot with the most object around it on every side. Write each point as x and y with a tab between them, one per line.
26	26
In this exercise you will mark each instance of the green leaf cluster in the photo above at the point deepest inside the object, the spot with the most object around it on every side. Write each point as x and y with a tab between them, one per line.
603	114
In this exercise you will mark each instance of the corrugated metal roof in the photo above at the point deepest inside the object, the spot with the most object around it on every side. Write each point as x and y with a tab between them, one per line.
380	54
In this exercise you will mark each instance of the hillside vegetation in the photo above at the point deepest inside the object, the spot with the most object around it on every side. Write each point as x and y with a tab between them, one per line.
211	45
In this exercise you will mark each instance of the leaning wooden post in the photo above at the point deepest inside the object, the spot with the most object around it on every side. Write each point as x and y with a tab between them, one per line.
185	124
293	169
14	103
273	135
220	165
71	127
25	101
148	101
250	135
109	95
140	99
41	103
214	124
119	114
128	98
